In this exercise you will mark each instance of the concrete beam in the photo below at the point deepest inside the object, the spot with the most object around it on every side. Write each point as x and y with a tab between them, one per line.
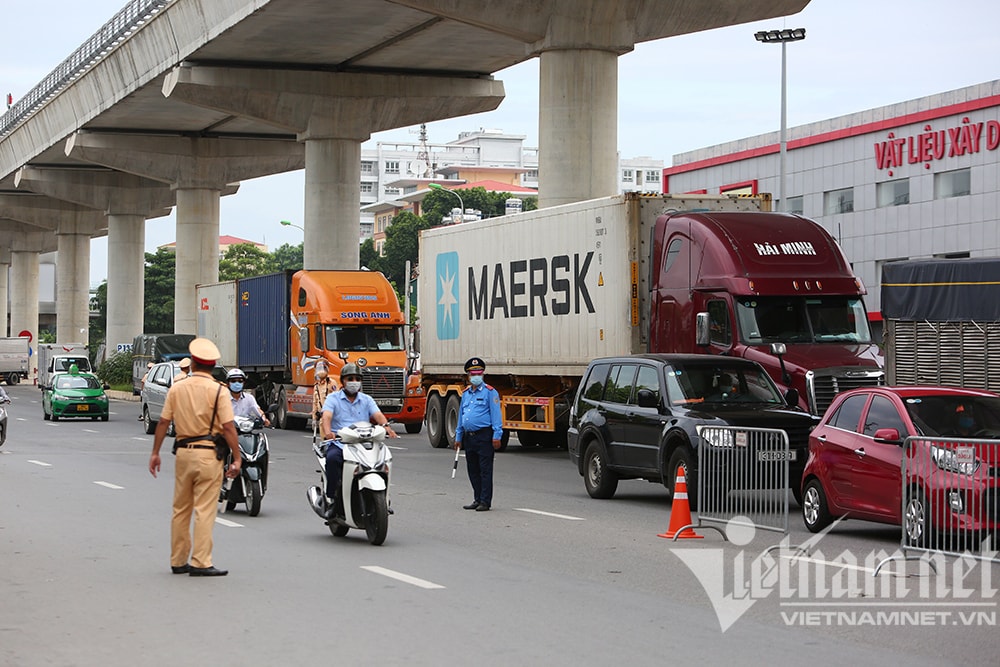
4	271
332	112
127	200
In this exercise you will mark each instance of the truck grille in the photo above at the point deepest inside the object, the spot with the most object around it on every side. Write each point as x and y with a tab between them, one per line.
825	383
383	382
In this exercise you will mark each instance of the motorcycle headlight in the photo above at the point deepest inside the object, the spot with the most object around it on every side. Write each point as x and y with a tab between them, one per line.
962	460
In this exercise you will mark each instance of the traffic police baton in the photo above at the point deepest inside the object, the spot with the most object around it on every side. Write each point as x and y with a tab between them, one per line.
455	467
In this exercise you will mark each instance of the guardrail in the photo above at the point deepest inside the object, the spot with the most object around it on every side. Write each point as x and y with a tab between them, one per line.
742	475
100	44
950	498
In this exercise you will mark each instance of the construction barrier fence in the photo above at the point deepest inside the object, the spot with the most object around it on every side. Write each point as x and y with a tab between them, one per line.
743	472
950	496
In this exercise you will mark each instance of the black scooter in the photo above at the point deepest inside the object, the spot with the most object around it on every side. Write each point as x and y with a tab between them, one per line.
251	484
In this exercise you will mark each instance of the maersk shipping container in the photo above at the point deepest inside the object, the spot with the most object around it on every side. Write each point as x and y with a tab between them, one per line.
217	318
263	317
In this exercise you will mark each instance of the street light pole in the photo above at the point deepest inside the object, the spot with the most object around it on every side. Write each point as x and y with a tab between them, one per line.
289	223
438	186
782	37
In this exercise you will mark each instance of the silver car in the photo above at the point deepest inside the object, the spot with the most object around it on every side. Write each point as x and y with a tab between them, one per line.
154	392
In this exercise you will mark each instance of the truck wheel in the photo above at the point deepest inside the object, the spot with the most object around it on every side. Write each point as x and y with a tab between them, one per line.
504	439
281	414
451	419
435	421
13	378
601	481
414	428
527	438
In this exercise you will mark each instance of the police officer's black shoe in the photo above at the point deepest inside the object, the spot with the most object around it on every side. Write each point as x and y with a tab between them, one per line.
471	506
483	508
210	571
180	569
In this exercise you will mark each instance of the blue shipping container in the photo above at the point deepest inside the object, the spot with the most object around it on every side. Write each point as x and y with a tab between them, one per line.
263	318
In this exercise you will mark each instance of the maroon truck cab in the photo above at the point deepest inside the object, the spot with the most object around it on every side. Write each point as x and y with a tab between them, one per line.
771	287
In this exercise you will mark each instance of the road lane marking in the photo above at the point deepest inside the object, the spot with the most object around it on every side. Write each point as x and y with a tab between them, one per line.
399	448
40	463
399	576
135	437
109	485
88	430
557	516
227	522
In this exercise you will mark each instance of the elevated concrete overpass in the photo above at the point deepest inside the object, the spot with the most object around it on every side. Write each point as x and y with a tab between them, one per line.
174	102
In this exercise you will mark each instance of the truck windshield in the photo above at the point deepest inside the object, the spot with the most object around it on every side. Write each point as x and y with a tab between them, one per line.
781	319
363	337
720	383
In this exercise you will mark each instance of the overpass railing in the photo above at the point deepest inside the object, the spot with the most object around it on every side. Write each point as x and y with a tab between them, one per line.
100	44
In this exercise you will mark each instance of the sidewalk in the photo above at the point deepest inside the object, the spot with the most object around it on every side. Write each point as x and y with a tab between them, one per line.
121	395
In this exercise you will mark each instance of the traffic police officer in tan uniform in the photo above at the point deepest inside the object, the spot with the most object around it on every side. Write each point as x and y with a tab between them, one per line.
197	471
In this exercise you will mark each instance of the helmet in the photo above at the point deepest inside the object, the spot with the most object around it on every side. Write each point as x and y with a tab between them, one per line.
350	369
235	374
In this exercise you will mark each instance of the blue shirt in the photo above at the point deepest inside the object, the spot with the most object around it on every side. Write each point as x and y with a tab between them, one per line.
346	412
480	408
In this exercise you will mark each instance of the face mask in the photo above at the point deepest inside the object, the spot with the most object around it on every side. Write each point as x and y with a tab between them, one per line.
476	380
236	386
966	422
352	387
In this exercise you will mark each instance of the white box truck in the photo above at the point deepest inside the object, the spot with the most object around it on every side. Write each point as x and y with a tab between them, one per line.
14	359
58	357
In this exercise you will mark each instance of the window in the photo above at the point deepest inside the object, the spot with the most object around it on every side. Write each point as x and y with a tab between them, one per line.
531	175
838	201
720	330
367	188
673	250
648	378
392	191
893	193
883	414
620	384
849	413
795	205
652	177
367	167
952	183
392	167
594	388
627	175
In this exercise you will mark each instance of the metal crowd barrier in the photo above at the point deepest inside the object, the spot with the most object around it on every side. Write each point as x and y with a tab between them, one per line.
951	497
743	472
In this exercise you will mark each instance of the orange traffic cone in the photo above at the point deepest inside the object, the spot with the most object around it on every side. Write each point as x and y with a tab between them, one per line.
680	512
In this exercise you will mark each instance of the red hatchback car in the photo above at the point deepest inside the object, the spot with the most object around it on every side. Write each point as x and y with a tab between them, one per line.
953	470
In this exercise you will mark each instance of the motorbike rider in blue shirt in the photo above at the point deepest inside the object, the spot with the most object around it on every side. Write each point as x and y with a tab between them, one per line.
344	407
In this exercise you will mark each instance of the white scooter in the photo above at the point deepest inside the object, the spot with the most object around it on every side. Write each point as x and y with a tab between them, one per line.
364	483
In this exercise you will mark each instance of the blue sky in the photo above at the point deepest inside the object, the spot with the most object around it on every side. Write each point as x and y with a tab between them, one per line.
675	95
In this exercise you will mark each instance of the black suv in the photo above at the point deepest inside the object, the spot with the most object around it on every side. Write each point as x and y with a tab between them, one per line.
636	417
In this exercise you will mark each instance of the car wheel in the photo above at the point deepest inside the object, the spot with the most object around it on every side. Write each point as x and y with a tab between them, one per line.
55	417
682	461
916	518
451	419
600	480
104	418
148	424
435	421
815	513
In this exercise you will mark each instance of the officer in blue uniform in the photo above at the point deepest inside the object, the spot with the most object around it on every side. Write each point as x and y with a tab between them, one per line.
479	427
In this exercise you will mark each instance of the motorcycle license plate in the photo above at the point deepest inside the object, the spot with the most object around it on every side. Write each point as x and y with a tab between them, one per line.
83	408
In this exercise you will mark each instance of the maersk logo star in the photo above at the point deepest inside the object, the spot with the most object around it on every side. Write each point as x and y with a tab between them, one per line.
447	296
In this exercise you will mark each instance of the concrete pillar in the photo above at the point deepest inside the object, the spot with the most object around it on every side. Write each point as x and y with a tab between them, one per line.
333	192
197	252
126	279
24	298
4	305
73	287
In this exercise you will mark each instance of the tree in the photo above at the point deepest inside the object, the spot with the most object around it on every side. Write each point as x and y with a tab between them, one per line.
401	244
437	205
243	260
158	316
369	257
287	257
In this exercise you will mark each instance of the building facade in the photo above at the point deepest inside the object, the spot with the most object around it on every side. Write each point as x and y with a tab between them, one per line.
911	180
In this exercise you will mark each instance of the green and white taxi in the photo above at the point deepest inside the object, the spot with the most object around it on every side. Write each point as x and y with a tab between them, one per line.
75	394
